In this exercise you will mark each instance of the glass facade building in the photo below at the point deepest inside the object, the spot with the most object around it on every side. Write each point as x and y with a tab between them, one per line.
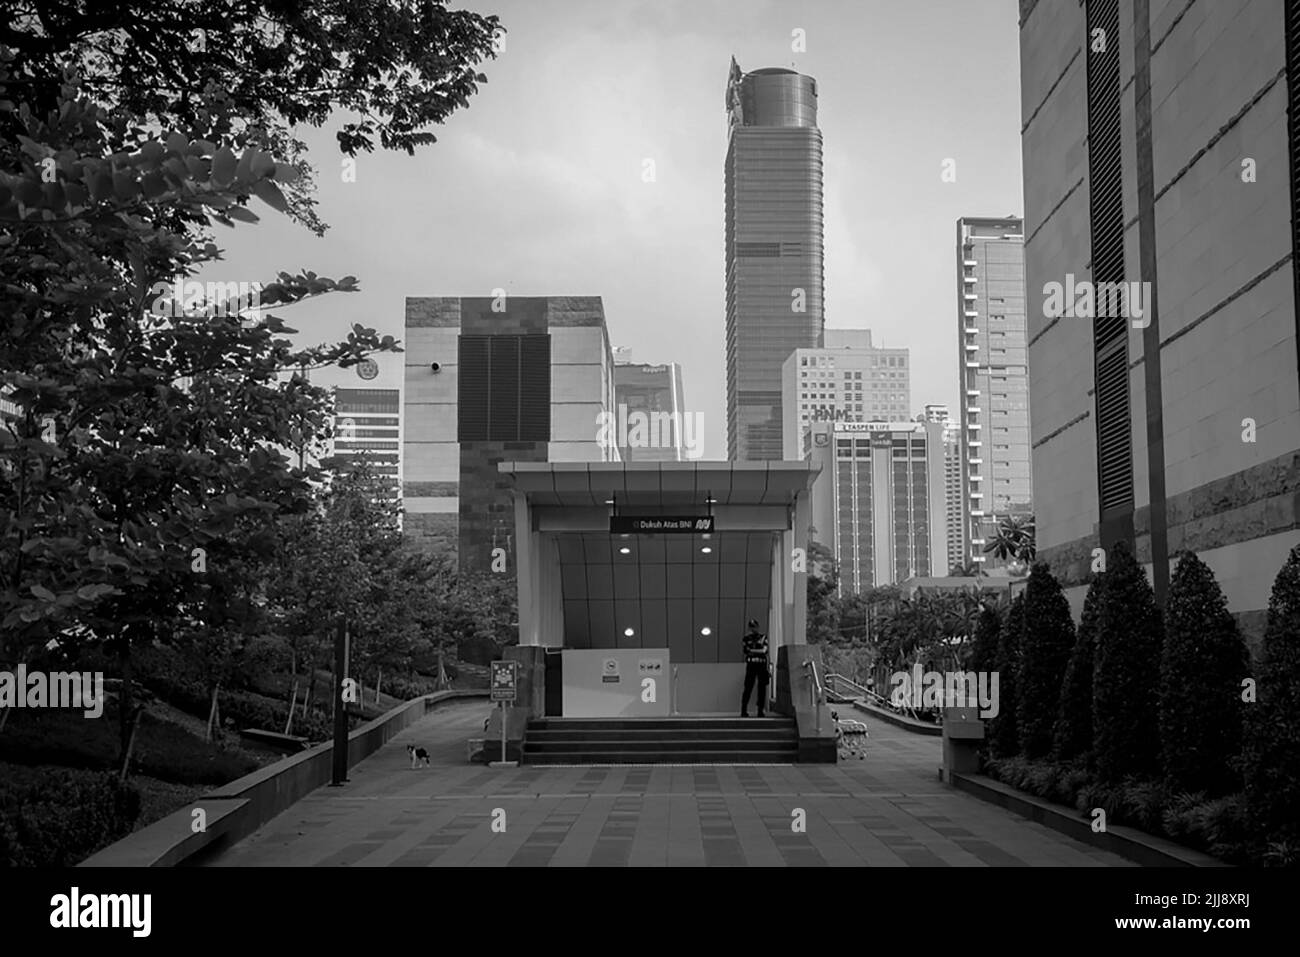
774	239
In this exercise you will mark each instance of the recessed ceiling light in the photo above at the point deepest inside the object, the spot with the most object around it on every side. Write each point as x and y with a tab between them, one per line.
624	550
706	631
629	632
706	549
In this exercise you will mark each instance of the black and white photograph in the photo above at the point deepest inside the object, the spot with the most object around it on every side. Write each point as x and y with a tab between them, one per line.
643	434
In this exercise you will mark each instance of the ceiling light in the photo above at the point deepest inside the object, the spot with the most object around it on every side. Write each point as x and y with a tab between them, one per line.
624	550
629	632
706	549
706	631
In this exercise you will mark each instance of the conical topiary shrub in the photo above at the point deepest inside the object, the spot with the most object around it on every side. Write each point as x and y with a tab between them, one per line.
1126	673
1044	652
1072	735
1201	668
1272	749
984	651
1005	736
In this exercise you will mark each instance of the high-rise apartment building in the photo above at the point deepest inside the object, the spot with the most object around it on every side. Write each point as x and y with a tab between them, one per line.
996	476
878	502
847	381
1160	151
650	423
367	423
774	274
954	504
491	380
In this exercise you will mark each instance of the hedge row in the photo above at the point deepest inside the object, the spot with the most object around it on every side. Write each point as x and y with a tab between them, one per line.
57	817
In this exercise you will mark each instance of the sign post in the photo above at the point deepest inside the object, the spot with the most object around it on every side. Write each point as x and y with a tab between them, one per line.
504	688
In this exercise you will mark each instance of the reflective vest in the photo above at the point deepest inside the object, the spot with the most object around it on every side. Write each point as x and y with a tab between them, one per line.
755	648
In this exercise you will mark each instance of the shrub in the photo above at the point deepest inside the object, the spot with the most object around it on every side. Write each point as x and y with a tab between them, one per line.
1203	662
57	817
1272	759
984	649
1072	734
1005	734
1046	644
1127	671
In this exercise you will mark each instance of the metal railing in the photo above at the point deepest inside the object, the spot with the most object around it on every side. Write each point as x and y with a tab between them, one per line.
834	679
816	694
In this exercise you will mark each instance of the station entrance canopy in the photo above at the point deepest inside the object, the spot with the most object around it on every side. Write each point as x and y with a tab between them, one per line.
643	568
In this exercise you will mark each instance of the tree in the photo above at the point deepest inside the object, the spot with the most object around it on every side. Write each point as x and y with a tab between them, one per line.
1202	666
1072	734
398	68
823	583
1045	651
1126	731
1272	754
1005	732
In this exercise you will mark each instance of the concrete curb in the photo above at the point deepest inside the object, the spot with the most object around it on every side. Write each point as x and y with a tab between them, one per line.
239	808
1137	846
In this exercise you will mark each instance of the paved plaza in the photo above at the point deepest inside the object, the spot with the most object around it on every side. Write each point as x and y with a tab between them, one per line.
888	809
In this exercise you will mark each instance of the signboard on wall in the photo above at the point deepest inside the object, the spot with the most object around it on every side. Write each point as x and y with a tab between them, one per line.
660	524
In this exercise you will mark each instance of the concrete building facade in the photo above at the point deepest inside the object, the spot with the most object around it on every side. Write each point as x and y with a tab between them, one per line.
878	500
996	472
491	380
846	381
1164	156
954	504
774	239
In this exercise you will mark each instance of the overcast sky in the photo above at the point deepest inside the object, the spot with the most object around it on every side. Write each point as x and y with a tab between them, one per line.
537	186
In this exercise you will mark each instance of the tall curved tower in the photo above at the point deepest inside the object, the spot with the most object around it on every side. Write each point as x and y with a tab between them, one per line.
774	244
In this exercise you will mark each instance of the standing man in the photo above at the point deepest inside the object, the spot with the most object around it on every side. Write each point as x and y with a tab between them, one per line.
755	668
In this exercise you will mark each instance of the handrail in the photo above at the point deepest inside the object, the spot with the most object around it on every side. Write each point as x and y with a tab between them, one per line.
868	693
815	693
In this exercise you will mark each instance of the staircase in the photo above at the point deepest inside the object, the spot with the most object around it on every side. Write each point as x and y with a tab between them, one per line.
771	740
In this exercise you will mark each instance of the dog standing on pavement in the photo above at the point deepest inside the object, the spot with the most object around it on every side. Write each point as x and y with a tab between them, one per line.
418	756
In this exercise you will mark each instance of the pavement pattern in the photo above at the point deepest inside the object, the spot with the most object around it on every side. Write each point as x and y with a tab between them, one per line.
887	809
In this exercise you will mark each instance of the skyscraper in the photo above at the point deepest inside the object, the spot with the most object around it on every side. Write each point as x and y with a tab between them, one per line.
490	380
774	271
878	502
366	422
847	381
996	479
654	391
954	504
1160	152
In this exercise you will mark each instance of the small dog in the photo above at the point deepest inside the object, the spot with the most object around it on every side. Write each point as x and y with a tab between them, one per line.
418	755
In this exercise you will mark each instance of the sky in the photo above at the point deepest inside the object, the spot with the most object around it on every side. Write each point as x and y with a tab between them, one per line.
537	186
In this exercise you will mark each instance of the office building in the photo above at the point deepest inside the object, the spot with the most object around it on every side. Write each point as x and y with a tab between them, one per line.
847	381
491	380
651	418
774	270
1165	160
954	504
367	423
878	501
996	475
